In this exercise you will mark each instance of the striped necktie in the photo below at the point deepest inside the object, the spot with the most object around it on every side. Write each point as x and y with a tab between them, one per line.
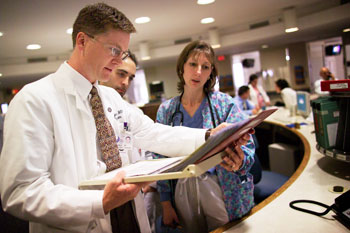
105	133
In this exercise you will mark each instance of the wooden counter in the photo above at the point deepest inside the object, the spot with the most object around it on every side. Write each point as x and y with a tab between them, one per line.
312	180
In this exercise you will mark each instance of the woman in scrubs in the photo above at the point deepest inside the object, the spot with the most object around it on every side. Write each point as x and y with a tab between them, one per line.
224	192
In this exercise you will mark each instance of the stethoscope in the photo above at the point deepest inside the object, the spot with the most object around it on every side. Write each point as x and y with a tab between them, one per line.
178	116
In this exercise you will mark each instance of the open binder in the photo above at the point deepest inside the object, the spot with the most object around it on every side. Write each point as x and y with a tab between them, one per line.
201	160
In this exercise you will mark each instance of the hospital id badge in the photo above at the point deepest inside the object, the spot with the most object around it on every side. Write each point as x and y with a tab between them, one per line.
125	148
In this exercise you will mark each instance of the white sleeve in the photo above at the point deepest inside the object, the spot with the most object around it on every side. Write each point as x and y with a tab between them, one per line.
164	139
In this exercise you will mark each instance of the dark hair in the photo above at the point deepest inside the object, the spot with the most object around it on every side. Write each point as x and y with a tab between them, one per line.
195	48
281	83
98	18
252	78
242	90
133	57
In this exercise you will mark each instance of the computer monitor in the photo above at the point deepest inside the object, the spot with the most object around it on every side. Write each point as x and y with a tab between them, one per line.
156	90
303	103
156	87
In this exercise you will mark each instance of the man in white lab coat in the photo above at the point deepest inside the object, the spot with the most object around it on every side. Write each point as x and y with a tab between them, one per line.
50	141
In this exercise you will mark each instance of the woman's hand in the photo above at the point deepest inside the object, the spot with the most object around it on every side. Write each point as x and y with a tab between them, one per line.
169	215
234	155
234	159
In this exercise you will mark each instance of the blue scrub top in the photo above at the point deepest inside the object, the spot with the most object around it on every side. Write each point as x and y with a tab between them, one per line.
195	122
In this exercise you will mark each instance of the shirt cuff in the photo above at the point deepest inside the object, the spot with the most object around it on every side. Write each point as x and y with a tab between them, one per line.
97	205
200	137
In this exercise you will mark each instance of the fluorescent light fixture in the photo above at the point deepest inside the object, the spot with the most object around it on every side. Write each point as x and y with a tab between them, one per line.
142	20
346	30
1	34
290	20
0	74
69	31
215	46
33	46
289	30
287	54
264	46
207	20
204	2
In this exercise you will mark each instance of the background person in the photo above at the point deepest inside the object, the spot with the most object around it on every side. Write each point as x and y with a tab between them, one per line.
243	103
325	75
289	96
257	93
123	75
53	138
218	196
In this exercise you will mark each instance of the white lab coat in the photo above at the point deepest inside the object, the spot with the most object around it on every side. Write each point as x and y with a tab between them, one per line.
50	147
254	96
289	97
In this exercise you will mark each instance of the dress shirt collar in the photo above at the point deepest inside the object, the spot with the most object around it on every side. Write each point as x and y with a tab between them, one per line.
81	85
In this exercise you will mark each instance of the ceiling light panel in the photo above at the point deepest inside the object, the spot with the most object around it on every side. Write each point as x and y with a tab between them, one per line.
33	46
142	20
204	2
207	20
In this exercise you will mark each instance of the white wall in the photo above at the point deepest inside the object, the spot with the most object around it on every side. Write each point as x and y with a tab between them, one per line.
137	92
317	59
347	51
298	57
335	63
241	74
274	59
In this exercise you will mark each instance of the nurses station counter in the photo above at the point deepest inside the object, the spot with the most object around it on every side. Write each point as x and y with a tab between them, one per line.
313	179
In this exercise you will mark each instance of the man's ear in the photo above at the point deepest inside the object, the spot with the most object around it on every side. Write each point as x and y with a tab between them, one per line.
80	41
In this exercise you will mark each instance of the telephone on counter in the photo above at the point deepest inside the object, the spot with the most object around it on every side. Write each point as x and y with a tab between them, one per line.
341	208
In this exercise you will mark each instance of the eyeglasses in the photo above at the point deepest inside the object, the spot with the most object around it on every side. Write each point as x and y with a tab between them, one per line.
115	51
